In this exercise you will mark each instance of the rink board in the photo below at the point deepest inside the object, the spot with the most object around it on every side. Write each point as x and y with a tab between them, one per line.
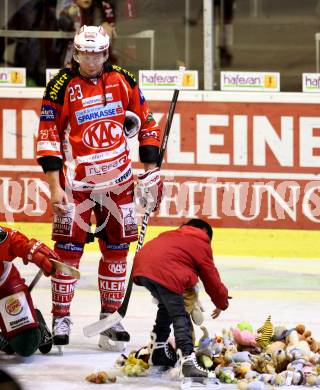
247	162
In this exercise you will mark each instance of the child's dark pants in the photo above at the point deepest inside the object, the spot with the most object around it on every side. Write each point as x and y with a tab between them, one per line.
170	311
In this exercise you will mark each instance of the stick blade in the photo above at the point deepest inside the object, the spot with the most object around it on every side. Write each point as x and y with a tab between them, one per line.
65	269
101	325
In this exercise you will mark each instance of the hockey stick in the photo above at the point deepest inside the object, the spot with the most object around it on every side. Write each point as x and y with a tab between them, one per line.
106	323
35	280
56	266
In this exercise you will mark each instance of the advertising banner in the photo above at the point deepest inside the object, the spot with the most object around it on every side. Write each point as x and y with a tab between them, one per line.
242	164
168	79
50	73
250	81
12	77
311	82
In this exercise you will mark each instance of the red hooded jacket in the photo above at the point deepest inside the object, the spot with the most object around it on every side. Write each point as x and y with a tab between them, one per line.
175	259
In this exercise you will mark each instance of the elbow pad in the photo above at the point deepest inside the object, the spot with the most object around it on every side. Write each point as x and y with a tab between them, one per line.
50	163
149	154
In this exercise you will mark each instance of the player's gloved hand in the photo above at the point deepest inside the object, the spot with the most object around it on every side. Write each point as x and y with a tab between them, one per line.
38	253
149	189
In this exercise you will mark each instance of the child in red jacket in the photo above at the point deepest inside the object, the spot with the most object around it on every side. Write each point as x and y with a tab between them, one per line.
167	266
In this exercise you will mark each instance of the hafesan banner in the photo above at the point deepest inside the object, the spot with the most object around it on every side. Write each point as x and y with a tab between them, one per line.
12	77
168	79
311	82
250	81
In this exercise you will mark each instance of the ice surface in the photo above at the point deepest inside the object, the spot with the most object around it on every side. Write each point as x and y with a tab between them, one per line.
289	290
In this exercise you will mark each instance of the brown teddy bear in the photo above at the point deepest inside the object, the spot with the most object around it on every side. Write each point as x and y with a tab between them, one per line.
307	336
263	363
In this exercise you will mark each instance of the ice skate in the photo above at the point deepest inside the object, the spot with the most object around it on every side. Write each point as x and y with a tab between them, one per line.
115	338
161	353
193	375
46	342
5	346
61	332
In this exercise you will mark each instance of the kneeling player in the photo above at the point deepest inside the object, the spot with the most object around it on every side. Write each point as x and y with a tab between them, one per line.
23	327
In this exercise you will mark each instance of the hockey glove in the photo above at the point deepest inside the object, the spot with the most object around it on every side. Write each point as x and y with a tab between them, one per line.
149	189
38	253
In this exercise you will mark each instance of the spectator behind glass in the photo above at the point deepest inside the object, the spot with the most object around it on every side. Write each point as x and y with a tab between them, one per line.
72	14
35	54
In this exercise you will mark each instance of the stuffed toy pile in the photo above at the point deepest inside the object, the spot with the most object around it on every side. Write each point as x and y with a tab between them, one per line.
271	356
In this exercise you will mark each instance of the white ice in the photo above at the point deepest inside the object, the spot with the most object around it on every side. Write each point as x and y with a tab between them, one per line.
287	289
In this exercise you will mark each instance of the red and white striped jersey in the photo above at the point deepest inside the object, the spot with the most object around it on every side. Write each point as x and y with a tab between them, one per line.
82	123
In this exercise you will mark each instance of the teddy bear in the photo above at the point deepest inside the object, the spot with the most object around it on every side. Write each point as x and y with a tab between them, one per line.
280	359
240	369
311	379
262	363
306	335
279	333
289	377
274	346
295	346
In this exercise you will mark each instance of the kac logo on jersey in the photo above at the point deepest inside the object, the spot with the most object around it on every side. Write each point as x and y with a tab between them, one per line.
48	113
103	135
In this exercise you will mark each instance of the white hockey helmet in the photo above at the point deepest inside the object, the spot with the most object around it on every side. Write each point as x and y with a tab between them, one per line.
91	39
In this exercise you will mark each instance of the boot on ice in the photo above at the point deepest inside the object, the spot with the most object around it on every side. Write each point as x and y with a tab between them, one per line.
115	338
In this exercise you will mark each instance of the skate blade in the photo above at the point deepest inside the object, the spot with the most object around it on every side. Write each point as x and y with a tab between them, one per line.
107	344
198	382
60	349
157	371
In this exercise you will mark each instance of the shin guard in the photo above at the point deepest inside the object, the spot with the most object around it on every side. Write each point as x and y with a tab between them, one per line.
112	276
63	286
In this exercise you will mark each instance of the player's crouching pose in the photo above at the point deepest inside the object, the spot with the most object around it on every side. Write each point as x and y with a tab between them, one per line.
167	266
23	327
88	113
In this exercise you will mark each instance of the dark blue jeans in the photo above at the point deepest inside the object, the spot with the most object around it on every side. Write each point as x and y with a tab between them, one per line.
170	311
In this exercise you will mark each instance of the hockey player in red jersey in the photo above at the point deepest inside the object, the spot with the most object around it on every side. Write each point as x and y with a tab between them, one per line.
88	113
23	327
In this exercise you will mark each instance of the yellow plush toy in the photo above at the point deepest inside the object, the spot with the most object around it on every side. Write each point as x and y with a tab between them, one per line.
134	366
265	334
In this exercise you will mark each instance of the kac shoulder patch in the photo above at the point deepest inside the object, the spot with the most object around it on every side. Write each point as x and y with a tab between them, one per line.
3	235
56	87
